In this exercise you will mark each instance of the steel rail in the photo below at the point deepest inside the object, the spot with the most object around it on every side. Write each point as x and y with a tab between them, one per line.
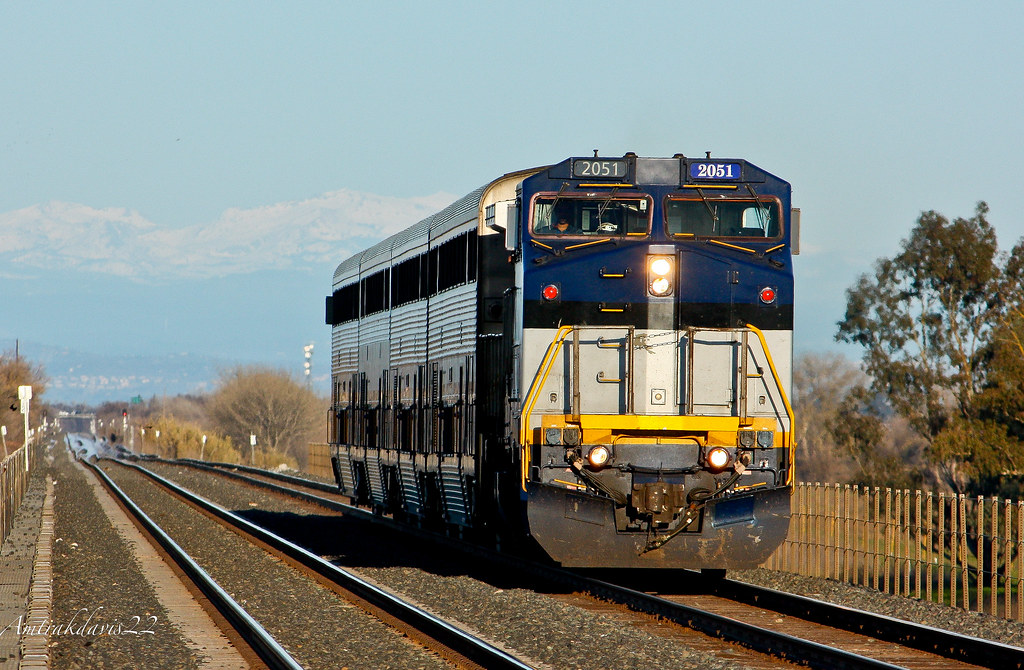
969	649
230	470
955	646
265	646
280	476
464	643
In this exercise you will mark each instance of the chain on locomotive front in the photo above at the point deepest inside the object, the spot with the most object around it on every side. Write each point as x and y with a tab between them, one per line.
655	300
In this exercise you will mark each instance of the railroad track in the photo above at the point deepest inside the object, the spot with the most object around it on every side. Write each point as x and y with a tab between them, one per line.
793	628
455	645
265	647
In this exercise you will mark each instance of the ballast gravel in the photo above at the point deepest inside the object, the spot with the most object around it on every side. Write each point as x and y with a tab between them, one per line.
318	628
105	613
529	621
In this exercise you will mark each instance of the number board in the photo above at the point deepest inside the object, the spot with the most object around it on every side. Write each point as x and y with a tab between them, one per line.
715	171
600	168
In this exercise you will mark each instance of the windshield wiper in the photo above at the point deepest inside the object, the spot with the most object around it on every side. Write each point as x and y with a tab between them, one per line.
558	195
604	205
766	216
707	204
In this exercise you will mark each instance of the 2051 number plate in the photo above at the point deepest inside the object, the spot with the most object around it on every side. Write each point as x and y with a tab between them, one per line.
598	168
714	171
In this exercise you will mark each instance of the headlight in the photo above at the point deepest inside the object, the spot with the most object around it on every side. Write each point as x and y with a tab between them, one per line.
717	459
599	456
660	270
661	266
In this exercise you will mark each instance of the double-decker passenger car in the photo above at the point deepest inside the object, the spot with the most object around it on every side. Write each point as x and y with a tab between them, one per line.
594	354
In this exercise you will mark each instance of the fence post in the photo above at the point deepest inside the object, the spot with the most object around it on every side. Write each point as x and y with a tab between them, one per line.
820	529
887	547
994	559
919	523
964	568
897	535
906	543
1020	560
879	531
979	551
805	544
954	545
929	551
1007	563
847	544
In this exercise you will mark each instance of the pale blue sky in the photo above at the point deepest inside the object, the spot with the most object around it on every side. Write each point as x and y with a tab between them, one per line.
181	111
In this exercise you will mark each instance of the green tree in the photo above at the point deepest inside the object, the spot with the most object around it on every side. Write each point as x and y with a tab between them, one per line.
926	320
1003	395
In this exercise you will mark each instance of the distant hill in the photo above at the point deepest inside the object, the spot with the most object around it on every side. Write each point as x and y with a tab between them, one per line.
78	377
90	379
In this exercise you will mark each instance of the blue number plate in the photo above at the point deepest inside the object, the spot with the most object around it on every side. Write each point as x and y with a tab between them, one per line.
714	171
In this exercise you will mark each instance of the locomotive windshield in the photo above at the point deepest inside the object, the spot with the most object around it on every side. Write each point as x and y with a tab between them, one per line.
714	217
605	216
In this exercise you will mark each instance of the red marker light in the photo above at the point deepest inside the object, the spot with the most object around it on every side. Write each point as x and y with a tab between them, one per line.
550	292
767	295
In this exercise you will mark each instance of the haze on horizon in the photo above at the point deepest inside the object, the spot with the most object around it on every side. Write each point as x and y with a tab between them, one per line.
185	179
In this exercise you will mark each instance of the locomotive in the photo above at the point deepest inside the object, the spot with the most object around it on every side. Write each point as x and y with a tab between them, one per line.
594	355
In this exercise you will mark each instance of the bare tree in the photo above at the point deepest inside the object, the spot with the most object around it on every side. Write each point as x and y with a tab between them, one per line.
820	383
15	372
284	415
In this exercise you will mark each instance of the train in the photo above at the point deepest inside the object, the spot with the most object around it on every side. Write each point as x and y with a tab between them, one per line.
592	358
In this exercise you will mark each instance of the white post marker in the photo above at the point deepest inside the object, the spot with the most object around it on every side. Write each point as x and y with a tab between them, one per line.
25	396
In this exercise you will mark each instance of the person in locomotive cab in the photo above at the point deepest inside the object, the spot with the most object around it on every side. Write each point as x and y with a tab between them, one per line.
559	227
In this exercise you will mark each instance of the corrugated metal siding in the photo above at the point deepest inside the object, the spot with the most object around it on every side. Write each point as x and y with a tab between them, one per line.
456	510
408	335
457	213
348	482
375	475
348	270
412	237
410	485
345	349
453	322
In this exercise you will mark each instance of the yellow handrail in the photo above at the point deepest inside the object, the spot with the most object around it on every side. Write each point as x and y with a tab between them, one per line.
545	369
532	395
787	436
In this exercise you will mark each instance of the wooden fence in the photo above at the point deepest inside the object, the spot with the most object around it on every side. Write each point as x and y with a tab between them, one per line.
319	462
13	483
953	549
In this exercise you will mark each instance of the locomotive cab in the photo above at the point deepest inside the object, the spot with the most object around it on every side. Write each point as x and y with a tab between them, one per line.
656	347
